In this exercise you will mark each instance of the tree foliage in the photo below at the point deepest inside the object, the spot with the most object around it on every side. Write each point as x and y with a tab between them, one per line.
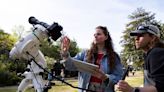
18	31
53	50
8	77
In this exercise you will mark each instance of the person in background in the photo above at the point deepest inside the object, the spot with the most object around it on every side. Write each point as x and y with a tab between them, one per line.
58	67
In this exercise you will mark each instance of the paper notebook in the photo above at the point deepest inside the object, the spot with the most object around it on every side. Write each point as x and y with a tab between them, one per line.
84	66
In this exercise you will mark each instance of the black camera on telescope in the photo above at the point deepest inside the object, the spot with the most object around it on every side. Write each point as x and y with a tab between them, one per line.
53	30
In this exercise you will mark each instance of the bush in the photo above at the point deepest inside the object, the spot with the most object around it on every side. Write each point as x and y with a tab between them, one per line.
7	78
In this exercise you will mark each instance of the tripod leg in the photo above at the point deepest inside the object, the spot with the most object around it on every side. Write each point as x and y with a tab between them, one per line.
22	86
38	83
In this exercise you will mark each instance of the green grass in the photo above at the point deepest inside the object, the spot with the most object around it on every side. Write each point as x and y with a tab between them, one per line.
60	87
7	89
13	89
135	80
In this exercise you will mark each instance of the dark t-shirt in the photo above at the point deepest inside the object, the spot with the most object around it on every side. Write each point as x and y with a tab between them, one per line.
154	65
57	68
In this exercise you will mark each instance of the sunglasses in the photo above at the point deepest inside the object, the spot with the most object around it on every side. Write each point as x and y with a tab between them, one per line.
97	34
141	35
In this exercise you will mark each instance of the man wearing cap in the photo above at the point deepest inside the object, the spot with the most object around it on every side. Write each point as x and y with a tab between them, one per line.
147	38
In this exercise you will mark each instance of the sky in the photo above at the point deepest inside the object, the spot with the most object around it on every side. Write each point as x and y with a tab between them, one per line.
78	17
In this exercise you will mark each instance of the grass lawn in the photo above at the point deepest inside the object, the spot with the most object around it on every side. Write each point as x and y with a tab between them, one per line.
60	87
7	89
135	80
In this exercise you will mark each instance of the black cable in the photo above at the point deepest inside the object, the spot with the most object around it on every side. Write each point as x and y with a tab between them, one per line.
33	58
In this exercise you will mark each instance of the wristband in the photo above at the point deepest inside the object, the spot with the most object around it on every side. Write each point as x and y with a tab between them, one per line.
136	89
65	55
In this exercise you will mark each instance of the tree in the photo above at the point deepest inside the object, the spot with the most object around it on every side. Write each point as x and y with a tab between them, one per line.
137	17
18	31
53	50
6	43
7	77
74	49
52	53
50	50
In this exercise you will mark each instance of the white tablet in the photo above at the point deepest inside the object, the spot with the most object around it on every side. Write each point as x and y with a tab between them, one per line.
84	66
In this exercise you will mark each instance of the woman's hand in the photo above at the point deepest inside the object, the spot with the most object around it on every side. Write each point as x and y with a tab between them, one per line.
100	74
65	43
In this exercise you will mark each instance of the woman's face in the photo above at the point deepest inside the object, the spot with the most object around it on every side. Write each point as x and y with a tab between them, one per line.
99	37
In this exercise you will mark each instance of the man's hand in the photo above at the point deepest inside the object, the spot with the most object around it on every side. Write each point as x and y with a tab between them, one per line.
123	86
